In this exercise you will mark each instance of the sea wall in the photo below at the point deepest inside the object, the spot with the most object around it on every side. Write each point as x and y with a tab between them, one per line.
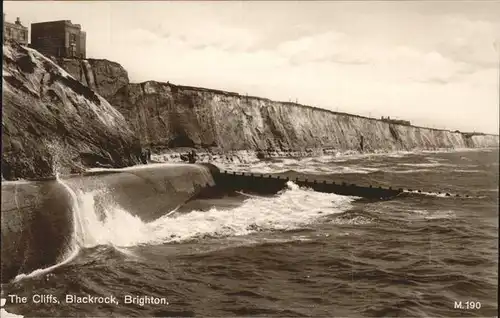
36	225
165	115
49	114
38	216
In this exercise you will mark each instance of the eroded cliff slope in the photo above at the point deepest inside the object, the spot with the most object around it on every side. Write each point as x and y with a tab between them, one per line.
167	115
102	76
49	116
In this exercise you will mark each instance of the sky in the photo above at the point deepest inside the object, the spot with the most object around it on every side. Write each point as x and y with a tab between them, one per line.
433	63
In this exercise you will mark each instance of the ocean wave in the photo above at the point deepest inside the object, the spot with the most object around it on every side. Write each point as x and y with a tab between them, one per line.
357	220
105	223
441	214
99	221
426	165
468	171
407	171
443	195
299	167
433	215
293	208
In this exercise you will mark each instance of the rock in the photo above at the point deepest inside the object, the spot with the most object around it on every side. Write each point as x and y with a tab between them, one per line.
175	116
50	119
102	76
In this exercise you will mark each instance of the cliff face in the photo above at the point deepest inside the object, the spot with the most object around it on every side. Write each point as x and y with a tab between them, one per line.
176	116
51	118
102	76
167	115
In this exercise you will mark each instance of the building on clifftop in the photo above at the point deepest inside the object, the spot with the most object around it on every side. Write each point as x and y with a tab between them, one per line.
395	121
59	38
15	31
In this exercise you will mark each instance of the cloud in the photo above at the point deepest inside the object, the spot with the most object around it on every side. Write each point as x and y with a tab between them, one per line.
471	42
329	47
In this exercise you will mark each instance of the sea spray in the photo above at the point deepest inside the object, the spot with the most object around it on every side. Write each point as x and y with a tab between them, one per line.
99	220
292	208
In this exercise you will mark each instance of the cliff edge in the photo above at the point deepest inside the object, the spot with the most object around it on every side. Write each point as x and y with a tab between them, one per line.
50	119
165	115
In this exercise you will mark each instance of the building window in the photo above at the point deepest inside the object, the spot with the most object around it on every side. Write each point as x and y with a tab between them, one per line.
72	38
9	32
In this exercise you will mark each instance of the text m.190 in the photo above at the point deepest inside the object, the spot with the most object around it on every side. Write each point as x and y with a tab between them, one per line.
467	305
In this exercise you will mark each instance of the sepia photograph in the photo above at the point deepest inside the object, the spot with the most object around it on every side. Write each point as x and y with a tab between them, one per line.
250	158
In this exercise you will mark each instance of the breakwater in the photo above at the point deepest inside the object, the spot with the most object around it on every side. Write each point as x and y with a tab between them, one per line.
269	184
272	183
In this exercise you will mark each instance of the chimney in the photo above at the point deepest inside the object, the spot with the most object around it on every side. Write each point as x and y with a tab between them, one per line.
18	21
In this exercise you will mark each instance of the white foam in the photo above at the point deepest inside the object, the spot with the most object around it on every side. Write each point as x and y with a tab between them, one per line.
66	259
6	314
100	221
432	194
426	165
291	209
407	171
301	165
140	167
358	220
440	215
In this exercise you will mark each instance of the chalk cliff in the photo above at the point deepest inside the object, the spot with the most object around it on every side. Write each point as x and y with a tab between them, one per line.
48	115
169	116
102	76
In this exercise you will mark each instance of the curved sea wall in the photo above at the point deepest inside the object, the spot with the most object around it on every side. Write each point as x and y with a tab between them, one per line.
47	114
43	220
36	225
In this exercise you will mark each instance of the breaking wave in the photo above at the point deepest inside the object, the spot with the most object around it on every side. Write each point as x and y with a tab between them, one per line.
97	220
106	223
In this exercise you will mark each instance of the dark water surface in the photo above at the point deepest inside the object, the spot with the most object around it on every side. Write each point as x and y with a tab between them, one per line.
302	253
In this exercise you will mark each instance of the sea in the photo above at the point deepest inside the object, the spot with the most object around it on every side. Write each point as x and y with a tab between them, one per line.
297	253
